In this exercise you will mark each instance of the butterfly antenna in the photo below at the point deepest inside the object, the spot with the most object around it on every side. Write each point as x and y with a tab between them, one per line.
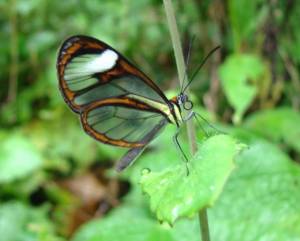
200	66
187	60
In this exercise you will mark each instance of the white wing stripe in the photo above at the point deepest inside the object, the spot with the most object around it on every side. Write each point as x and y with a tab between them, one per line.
89	64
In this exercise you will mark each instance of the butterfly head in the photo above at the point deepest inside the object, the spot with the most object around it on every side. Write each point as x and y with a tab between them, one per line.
184	101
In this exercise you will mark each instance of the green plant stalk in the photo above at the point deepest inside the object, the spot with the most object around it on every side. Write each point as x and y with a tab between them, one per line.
190	127
14	66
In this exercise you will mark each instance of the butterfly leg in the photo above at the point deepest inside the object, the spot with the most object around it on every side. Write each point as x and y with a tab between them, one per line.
179	148
194	114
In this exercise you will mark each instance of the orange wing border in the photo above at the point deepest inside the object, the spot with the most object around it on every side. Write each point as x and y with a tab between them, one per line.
80	44
125	102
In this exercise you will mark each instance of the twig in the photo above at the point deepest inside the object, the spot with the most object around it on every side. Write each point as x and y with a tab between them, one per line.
190	127
13	70
292	71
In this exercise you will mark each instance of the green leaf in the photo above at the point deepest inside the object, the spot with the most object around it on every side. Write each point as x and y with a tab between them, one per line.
127	224
62	139
18	157
41	41
173	194
139	226
261	199
19	222
237	75
280	124
259	202
244	17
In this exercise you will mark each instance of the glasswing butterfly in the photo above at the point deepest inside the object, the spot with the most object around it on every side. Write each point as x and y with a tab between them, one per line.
118	104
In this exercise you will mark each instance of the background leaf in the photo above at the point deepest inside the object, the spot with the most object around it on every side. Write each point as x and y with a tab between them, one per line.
19	222
280	125
238	74
18	157
140	227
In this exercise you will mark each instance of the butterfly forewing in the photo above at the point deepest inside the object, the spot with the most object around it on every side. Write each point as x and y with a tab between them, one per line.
90	70
122	86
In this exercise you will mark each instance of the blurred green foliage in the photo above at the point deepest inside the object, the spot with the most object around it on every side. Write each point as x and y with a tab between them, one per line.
250	89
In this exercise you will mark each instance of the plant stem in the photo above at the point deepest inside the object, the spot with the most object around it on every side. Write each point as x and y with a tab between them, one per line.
203	220
13	70
190	127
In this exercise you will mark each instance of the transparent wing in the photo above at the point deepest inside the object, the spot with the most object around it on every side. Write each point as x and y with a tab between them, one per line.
121	86
90	70
120	123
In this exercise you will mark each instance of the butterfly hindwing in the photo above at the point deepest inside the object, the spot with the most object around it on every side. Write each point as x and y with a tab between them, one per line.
121	121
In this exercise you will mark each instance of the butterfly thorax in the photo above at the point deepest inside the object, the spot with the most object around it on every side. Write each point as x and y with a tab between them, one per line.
179	103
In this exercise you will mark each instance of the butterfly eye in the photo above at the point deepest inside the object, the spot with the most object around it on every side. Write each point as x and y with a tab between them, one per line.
188	105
